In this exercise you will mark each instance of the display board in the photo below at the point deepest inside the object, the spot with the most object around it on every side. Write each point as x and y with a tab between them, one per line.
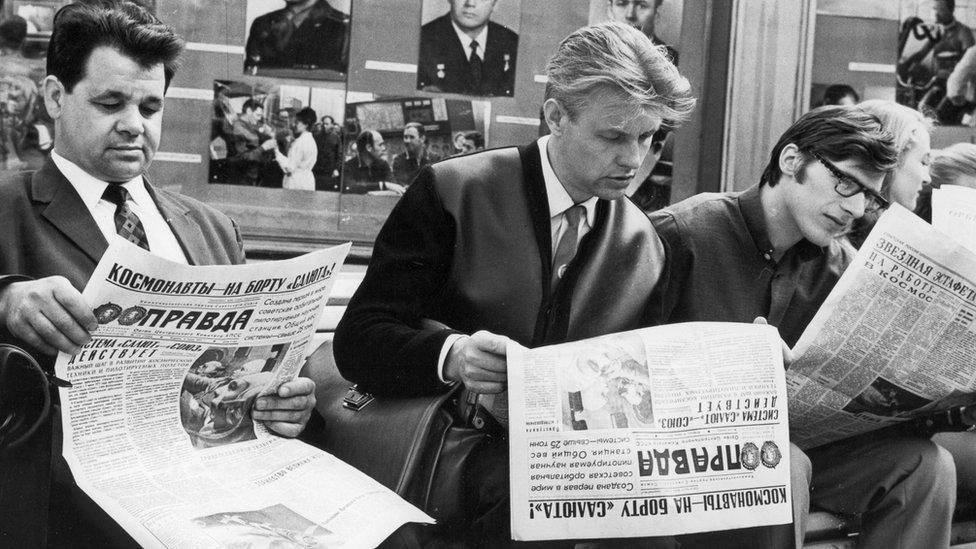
380	78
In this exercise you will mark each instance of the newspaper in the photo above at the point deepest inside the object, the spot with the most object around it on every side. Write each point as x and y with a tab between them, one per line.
894	340
667	430
157	426
954	213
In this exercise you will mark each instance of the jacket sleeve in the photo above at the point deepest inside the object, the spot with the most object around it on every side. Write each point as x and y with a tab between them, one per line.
379	343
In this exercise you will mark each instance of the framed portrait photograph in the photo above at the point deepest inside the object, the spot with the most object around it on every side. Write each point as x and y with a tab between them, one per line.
297	38
469	47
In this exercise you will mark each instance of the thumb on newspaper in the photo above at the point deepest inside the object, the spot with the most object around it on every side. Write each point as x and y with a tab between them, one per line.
788	356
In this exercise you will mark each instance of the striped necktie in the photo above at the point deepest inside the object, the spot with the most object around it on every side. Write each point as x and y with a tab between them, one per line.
127	223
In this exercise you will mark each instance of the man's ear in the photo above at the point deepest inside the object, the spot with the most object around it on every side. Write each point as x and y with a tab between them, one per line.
54	93
556	116
790	160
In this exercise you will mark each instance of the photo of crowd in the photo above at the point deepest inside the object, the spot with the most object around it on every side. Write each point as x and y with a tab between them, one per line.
273	136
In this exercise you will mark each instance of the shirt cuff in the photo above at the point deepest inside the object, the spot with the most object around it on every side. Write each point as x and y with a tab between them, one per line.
443	356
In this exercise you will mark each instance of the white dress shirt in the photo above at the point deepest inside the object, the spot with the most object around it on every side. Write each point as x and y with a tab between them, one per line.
559	202
162	241
482	38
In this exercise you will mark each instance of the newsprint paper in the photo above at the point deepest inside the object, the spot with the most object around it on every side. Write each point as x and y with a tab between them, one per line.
894	340
954	213
667	430
157	424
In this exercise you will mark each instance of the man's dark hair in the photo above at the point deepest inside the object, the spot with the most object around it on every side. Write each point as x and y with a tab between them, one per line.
81	27
837	133
834	93
476	138
13	31
331	120
950	4
250	105
306	116
365	139
417	126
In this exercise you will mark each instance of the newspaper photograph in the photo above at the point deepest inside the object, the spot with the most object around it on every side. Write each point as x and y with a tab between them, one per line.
894	340
667	430
157	422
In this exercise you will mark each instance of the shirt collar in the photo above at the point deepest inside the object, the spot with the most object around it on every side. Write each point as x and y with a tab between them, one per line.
751	208
466	40
559	199
90	188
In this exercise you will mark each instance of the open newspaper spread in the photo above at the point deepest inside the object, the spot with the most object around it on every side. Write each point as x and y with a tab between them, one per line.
895	339
157	425
667	430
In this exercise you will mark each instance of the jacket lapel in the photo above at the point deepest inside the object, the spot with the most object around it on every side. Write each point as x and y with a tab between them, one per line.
187	231
538	201
49	186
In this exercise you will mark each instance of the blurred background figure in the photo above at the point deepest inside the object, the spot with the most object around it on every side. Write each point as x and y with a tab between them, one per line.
840	94
24	140
415	154
953	165
328	139
910	130
368	170
935	49
302	153
472	142
639	14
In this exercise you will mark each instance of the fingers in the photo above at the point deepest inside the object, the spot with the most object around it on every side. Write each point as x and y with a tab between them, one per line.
490	343
289	430
48	314
287	412
479	362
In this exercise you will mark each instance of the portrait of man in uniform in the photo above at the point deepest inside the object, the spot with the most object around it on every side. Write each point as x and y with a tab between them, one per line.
298	39
464	51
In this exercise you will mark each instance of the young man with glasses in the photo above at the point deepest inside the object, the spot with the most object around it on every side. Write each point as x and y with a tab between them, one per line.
775	251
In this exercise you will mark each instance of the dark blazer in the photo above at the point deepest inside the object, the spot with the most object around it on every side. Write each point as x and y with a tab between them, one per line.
468	246
321	42
443	62
46	230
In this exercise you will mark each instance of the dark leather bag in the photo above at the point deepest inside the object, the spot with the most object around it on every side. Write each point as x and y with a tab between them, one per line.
417	447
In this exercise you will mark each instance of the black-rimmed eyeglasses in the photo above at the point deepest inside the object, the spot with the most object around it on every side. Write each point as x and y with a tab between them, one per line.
847	186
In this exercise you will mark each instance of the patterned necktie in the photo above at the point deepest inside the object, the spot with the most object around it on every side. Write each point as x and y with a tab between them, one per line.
568	243
127	223
475	65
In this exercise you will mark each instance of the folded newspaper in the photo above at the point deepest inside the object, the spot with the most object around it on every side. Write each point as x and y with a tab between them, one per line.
157	425
896	337
667	430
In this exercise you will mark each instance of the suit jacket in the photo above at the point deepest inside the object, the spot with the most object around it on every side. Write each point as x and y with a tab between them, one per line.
46	230
320	42
468	246
443	64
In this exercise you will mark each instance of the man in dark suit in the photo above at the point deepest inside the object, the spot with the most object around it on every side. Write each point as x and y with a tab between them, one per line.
486	244
463	52
305	34
109	64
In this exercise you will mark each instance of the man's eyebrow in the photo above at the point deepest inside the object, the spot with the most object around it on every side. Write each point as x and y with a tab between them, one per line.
108	94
